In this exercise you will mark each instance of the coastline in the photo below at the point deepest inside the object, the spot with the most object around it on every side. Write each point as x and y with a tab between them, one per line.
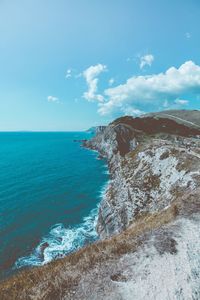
145	221
141	180
62	241
62	201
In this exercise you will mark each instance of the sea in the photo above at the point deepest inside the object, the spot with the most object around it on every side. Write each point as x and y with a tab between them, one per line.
50	190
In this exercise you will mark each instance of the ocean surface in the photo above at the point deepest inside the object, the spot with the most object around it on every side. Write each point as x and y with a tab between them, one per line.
50	188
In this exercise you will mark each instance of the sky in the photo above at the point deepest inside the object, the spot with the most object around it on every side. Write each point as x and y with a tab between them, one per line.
72	64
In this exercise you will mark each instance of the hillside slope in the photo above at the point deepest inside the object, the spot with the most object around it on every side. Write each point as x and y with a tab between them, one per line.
187	117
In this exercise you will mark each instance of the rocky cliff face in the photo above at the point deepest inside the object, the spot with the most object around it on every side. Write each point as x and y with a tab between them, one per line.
148	221
151	161
96	129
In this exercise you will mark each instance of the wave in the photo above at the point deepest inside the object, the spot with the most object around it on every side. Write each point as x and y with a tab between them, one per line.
61	240
105	169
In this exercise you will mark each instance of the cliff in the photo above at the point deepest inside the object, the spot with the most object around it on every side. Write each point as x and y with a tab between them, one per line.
148	221
96	129
147	161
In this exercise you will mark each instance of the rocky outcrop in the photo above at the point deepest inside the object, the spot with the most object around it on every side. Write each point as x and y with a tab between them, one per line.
96	129
151	161
148	221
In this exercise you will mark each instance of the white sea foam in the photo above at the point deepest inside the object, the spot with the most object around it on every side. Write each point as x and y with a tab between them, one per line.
105	170
61	240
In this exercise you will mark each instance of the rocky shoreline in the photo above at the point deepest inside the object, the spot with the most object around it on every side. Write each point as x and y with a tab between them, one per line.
148	220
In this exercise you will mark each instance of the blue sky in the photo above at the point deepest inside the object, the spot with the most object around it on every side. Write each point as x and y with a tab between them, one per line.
72	64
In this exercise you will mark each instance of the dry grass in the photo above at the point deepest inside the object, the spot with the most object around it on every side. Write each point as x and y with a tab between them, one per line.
62	276
132	154
174	152
164	155
151	182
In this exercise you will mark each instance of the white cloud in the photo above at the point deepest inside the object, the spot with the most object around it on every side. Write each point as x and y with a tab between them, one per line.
188	35
166	103
68	74
146	60
111	81
72	73
181	101
131	111
53	99
91	76
154	90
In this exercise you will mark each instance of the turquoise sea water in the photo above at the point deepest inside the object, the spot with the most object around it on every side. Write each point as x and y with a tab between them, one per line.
49	191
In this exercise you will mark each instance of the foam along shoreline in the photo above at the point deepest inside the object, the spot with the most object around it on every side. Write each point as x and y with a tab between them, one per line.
145	226
62	241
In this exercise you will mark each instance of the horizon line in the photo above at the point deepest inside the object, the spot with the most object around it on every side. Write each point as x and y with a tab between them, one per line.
43	130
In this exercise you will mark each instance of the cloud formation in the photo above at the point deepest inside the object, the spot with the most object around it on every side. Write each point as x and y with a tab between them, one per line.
146	60
91	76
68	74
181	101
53	99
188	35
111	81
157	90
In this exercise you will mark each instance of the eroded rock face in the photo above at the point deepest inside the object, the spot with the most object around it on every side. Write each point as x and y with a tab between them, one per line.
148	168
153	202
